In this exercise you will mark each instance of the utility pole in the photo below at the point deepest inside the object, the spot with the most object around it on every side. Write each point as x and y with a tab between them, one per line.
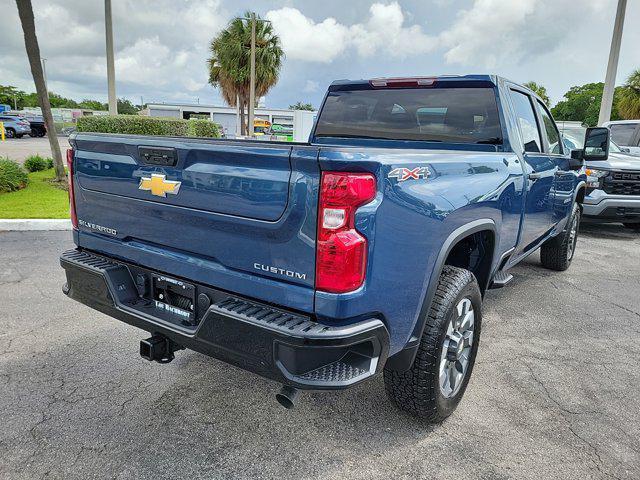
612	66
44	74
111	72
252	79
252	84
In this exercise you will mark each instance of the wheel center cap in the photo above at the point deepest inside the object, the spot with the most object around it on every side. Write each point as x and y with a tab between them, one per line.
455	347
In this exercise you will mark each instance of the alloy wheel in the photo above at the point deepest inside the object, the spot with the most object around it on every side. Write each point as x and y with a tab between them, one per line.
456	348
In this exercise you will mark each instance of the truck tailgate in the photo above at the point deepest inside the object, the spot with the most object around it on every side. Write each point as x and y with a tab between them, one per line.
235	215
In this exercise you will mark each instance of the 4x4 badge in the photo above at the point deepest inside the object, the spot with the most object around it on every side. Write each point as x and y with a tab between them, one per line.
402	174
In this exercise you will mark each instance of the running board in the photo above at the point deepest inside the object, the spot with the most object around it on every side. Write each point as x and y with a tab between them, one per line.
500	279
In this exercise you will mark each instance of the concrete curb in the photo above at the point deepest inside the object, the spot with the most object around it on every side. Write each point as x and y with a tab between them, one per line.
28	224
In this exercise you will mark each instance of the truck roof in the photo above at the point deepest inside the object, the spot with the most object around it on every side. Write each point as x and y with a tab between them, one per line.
474	77
472	80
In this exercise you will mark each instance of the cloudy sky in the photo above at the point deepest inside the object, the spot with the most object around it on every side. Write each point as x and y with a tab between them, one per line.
161	45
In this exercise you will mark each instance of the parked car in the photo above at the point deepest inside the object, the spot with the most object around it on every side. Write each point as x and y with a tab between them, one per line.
625	133
366	250
613	184
38	128
15	127
66	131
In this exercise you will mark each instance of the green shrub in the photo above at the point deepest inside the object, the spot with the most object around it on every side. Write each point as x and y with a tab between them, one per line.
35	163
203	128
141	125
12	176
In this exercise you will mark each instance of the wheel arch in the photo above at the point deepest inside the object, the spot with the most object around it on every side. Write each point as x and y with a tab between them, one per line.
579	194
402	360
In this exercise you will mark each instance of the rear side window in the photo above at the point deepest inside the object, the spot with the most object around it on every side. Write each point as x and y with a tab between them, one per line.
527	122
553	137
622	133
456	115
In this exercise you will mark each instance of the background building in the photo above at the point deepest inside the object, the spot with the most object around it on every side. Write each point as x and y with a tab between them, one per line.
301	121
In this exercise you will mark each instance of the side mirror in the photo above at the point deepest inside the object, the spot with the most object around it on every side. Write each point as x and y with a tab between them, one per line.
596	143
576	162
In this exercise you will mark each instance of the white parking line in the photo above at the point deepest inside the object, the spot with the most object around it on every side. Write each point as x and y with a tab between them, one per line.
23	224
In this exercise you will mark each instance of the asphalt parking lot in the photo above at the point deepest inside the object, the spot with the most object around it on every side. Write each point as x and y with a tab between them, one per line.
555	392
20	148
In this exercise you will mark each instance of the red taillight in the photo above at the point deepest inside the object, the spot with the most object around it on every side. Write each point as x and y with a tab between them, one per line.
341	256
72	197
402	82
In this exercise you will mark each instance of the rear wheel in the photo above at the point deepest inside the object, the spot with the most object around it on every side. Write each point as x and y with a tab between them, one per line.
633	226
435	383
557	252
10	133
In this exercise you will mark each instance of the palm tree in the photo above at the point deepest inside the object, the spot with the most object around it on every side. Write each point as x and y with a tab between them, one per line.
629	101
538	90
25	12
229	64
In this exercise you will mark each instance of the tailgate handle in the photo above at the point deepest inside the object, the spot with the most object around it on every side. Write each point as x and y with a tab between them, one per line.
163	156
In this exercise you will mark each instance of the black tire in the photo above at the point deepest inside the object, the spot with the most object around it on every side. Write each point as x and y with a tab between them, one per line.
9	133
418	390
633	226
558	252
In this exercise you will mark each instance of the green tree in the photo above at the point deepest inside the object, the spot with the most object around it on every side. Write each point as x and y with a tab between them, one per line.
230	62
30	100
582	103
538	90
58	101
93	104
629	100
301	106
125	107
11	96
25	12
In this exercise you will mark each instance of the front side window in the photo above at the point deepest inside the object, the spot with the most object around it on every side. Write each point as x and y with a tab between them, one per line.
622	133
526	118
553	137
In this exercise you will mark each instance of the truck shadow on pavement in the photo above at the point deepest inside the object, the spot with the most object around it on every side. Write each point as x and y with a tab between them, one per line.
613	231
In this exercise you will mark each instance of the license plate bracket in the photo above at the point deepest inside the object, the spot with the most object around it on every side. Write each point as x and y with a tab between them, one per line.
175	297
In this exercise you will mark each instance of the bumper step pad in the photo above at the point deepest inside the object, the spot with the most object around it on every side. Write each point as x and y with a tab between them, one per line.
340	371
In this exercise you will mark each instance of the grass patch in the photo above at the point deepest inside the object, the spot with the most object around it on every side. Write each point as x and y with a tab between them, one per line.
42	198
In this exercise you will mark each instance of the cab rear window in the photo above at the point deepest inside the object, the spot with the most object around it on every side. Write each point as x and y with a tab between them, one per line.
455	115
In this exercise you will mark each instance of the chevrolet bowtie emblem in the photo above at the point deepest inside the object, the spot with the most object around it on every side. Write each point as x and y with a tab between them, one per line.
158	185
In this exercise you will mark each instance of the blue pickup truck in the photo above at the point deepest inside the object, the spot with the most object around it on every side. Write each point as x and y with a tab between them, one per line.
318	265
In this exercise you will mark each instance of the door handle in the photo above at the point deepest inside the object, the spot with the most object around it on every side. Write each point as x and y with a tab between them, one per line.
534	176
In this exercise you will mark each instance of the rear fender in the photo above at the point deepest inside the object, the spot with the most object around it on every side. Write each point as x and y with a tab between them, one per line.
403	360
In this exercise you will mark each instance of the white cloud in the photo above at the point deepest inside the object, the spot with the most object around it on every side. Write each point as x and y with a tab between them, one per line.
311	86
161	47
303	39
383	31
493	32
